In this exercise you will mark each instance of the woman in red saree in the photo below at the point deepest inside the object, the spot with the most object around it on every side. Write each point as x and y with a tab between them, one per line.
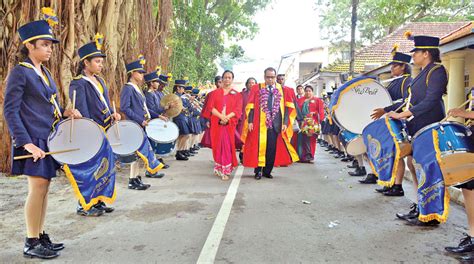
312	111
224	108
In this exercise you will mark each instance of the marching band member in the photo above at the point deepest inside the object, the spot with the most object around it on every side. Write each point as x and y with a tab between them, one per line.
182	122
92	99
425	105
192	122
398	89
196	113
467	244
153	95
133	104
31	112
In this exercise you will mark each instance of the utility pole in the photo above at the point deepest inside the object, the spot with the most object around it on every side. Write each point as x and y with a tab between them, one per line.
355	3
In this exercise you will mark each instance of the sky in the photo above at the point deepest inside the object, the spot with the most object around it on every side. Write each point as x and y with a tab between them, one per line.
285	26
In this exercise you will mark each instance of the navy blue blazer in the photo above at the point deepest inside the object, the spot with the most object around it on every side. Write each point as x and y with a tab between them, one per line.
398	89
88	100
427	90
153	102
159	95
28	109
131	104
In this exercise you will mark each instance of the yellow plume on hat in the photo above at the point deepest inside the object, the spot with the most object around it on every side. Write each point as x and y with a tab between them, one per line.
158	69
395	48
99	40
141	58
50	16
408	35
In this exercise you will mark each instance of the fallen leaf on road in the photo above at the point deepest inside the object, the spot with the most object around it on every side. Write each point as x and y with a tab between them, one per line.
305	202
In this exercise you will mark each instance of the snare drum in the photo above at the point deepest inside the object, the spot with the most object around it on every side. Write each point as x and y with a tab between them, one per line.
353	102
456	150
162	136
87	138
127	141
353	143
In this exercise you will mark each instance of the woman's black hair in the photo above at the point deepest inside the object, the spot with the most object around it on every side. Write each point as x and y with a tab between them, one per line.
310	87
434	53
216	79
228	71
249	79
24	52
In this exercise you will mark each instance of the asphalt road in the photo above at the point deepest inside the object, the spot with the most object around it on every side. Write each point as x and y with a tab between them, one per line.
268	222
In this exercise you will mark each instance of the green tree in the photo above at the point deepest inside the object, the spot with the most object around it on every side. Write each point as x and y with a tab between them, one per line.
377	18
202	27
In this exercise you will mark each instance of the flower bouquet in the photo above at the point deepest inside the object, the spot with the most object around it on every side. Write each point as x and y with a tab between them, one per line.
310	127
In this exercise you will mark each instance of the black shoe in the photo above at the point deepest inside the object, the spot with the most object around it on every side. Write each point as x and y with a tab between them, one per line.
268	176
339	155
334	151
258	176
188	153
102	206
466	245
193	152
139	178
396	190
370	179
166	166
134	184
417	222
383	189
93	211
180	156
47	243
410	215
354	164
155	175
360	171
35	249
346	158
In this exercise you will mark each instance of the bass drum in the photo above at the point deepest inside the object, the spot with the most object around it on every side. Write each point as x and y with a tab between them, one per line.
127	141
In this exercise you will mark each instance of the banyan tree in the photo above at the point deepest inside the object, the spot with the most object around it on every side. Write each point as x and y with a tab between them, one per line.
130	27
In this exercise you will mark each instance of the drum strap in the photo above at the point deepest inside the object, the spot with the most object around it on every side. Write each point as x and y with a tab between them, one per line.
403	85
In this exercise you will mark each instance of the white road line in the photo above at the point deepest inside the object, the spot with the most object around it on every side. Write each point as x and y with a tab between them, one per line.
209	250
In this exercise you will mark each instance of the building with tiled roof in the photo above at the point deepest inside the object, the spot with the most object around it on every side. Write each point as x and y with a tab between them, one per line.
373	59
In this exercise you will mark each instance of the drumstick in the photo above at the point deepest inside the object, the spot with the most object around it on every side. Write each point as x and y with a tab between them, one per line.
47	153
463	104
116	127
71	130
400	107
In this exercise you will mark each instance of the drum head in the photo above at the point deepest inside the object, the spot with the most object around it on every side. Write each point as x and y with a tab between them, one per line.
128	140
161	131
87	136
358	101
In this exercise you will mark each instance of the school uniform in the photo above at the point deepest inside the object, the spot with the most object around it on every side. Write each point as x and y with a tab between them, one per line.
31	111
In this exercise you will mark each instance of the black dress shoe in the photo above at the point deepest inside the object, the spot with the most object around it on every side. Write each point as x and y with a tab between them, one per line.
396	190
346	158
46	241
139	179
166	166
154	175
102	206
181	156
93	211
360	171
466	245
354	164
258	176
134	184
383	189
189	153
35	249
339	155
416	222
268	176
410	215
370	179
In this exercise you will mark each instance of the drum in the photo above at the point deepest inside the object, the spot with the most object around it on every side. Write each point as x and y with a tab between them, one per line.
353	143
456	150
398	129
162	136
87	139
353	102
127	141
